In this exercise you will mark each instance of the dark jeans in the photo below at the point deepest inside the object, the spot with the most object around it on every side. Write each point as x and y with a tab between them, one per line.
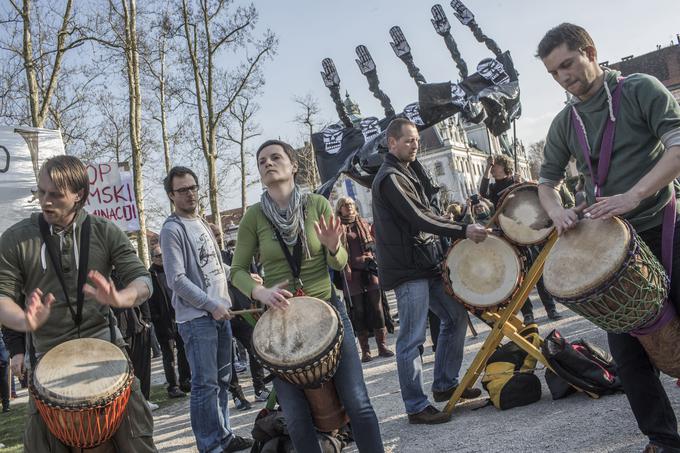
5	375
367	312
140	355
646	395
169	364
531	254
243	332
349	383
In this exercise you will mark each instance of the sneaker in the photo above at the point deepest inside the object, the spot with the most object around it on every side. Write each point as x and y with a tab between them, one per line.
262	395
241	404
429	416
554	315
152	406
175	392
239	367
446	395
186	387
238	443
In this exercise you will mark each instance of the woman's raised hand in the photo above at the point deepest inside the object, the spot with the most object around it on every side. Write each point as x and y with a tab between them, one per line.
329	233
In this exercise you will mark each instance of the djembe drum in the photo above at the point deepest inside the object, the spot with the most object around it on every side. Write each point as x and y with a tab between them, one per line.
522	219
483	276
301	345
81	388
603	271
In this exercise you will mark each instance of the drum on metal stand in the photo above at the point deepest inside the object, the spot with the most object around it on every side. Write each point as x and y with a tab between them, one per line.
301	345
81	389
521	217
483	276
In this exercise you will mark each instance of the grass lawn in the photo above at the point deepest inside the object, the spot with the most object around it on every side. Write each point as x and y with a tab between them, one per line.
12	422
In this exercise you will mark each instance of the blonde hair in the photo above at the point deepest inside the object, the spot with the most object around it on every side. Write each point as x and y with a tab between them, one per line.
68	173
341	202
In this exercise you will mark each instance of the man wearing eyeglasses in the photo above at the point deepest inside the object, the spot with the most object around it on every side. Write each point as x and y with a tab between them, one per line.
195	273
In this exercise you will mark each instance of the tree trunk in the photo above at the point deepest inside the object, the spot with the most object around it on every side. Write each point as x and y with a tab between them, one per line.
135	113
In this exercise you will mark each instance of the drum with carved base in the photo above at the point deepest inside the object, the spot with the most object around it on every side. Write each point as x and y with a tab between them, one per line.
81	388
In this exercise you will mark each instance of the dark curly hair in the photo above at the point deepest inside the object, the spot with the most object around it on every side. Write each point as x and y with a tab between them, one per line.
574	36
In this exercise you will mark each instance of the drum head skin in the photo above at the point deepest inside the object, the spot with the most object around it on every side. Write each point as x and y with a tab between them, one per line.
297	334
523	219
81	371
584	258
483	275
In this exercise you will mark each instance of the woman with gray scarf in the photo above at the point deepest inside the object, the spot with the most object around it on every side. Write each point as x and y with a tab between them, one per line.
305	220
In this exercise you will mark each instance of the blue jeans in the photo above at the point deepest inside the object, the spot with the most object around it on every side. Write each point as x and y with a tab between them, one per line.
349	382
208	349
413	300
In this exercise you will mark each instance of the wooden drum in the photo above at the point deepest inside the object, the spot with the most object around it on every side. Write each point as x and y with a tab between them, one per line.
483	276
81	388
522	218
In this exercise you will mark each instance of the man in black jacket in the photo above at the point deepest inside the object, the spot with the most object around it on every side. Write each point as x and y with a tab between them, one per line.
163	318
409	256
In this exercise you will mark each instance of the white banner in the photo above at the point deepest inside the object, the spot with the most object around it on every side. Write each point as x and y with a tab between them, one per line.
22	152
112	195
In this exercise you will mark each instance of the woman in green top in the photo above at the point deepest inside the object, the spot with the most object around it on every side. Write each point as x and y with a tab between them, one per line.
307	219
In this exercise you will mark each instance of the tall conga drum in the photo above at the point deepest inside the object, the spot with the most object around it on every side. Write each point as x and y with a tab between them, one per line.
81	389
301	345
603	271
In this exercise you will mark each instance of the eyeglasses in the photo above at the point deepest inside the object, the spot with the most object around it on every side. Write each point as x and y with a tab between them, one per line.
159	255
186	190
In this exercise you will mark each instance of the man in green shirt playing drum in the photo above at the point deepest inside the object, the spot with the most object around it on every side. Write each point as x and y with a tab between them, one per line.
644	162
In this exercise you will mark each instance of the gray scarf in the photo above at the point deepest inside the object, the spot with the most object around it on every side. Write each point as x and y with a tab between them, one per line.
291	221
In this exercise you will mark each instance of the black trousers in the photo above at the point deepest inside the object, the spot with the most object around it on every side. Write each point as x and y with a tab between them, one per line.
139	350
243	332
367	311
546	299
647	397
172	367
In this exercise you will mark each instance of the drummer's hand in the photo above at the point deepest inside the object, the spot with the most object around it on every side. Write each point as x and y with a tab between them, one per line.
476	232
329	234
37	309
105	292
607	207
564	219
221	312
275	297
257	278
17	365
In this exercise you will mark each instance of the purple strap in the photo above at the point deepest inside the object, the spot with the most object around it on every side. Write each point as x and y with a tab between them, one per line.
669	215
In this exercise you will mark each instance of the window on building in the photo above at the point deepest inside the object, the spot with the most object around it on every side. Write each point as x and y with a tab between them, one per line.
439	169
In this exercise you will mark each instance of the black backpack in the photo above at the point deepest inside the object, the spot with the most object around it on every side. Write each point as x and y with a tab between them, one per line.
580	365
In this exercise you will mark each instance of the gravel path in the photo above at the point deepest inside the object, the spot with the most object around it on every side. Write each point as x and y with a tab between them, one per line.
574	424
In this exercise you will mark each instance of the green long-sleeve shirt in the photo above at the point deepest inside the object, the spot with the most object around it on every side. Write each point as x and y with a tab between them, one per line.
255	233
648	112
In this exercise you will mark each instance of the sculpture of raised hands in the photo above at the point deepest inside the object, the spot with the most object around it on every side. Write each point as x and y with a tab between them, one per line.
329	74
439	21
365	61
400	45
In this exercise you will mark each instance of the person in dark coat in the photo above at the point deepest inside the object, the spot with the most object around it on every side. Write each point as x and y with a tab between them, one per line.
163	318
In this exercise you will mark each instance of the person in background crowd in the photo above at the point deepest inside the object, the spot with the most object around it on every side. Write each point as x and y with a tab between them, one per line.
361	285
243	332
177	372
455	211
501	168
410	256
200	296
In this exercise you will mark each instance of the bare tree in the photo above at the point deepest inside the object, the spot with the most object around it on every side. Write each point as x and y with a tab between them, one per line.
210	31
308	118
535	157
41	65
242	112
